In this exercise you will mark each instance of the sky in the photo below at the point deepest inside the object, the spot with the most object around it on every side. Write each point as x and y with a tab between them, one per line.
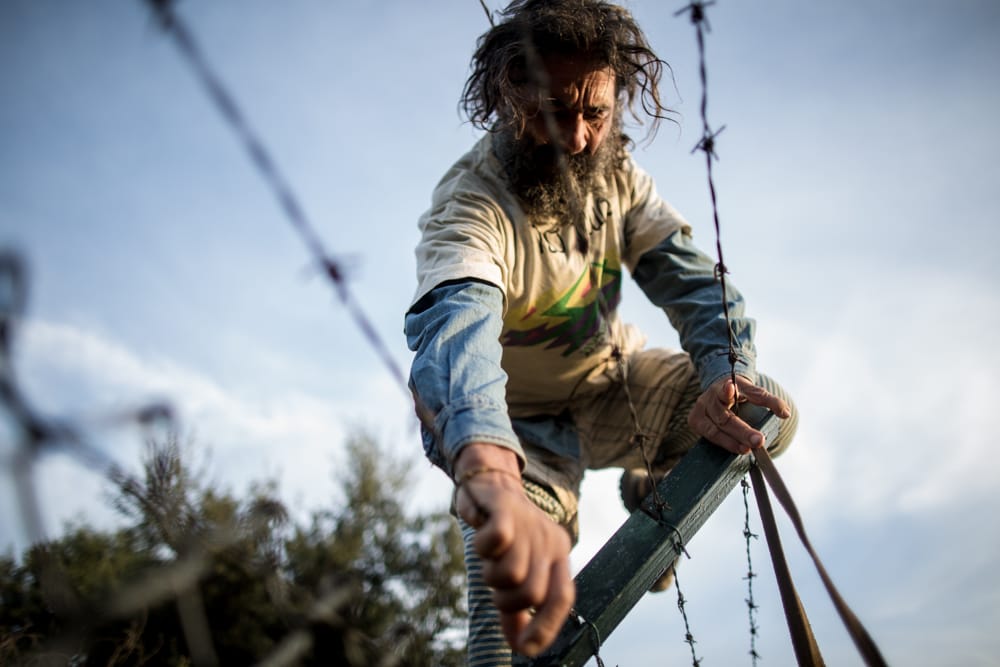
859	190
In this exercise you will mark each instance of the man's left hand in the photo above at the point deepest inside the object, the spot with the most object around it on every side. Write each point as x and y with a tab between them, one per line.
712	416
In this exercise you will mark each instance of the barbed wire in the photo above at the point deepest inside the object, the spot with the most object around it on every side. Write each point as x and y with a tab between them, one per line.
682	607
175	581
761	465
696	11
751	575
706	145
594	632
36	435
40	435
231	112
489	14
640	436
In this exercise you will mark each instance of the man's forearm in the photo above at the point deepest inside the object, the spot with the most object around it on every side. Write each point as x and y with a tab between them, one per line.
456	372
679	278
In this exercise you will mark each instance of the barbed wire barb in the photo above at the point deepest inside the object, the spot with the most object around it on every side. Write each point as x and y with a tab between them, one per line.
752	606
682	607
593	631
707	145
289	203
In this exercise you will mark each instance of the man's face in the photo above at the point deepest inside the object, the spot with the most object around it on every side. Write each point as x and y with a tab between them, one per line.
565	150
577	110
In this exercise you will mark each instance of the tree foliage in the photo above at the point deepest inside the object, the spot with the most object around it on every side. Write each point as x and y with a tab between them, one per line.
199	576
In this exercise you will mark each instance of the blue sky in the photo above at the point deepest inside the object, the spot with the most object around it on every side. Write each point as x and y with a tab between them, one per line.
859	189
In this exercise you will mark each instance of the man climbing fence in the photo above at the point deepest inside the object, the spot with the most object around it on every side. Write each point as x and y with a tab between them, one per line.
521	358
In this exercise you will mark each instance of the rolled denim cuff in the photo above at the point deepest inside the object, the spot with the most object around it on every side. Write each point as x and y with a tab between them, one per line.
475	419
713	367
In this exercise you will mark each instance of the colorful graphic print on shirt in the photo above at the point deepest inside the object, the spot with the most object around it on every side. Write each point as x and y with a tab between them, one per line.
576	320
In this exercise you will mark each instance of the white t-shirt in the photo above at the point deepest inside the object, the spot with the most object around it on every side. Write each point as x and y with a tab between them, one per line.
560	323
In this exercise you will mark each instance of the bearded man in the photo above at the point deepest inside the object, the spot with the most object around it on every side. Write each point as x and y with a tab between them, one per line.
530	375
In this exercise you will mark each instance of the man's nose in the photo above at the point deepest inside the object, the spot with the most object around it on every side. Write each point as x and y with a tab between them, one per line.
575	135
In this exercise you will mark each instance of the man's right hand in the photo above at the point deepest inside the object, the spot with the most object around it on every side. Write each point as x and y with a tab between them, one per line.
525	554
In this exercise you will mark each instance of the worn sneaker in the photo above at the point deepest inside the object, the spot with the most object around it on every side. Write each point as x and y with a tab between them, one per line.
634	486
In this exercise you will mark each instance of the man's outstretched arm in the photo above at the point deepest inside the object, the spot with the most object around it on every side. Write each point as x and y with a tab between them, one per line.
455	331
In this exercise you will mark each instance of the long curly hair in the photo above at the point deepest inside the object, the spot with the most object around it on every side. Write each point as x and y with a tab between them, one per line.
507	64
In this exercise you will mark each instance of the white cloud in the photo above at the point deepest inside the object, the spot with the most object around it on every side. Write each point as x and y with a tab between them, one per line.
893	382
252	432
892	469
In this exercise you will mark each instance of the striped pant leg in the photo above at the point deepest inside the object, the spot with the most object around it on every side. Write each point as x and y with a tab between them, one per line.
487	646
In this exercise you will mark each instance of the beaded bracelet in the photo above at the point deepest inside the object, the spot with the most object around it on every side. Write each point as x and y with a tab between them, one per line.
469	474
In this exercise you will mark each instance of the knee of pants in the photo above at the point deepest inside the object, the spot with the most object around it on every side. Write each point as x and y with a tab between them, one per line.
786	427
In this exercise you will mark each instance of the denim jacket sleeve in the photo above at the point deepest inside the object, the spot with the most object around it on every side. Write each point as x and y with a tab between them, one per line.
679	278
455	332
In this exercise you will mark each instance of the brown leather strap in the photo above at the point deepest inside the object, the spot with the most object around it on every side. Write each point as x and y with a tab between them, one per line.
803	641
862	640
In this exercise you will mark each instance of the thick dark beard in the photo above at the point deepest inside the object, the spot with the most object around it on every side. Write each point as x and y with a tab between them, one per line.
545	189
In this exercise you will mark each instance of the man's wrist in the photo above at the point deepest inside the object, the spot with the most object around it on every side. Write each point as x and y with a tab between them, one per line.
485	458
